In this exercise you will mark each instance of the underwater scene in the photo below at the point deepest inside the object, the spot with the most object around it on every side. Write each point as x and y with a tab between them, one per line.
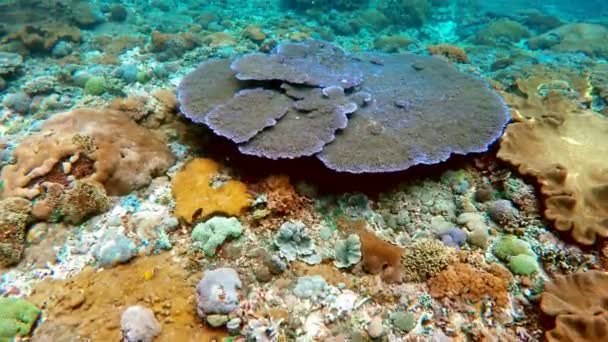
297	170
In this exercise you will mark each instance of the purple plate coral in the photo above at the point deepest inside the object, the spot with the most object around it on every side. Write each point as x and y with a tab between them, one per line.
361	113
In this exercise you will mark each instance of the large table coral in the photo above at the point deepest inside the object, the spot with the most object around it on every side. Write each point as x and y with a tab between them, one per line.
126	156
567	156
358	113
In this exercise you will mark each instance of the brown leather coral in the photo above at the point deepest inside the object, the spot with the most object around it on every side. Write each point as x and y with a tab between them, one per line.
569	160
541	90
579	302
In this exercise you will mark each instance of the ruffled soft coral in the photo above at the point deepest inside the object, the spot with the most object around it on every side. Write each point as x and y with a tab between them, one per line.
579	302
126	156
566	155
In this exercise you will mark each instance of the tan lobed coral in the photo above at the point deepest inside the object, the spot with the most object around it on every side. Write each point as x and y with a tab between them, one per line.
579	303
567	156
578	37
126	156
200	191
541	90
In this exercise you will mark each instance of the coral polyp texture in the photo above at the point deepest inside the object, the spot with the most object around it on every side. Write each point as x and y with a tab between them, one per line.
566	156
358	113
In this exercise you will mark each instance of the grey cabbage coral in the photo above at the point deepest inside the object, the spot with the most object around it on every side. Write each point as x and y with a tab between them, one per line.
358	113
348	251
294	242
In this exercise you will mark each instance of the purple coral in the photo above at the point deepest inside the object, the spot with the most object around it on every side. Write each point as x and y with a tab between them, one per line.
454	237
247	113
405	110
422	110
313	63
208	86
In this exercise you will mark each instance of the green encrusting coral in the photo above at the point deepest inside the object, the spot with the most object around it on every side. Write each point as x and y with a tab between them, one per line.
211	234
17	318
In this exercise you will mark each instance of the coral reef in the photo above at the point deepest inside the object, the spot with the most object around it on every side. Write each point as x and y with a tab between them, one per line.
96	104
578	303
200	191
562	154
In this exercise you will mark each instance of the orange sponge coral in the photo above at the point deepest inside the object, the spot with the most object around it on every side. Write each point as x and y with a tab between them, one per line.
580	304
469	283
282	197
126	156
451	52
567	156
200	191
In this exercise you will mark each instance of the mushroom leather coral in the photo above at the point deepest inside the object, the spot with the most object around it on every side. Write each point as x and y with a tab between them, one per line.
567	156
197	197
548	90
126	155
579	302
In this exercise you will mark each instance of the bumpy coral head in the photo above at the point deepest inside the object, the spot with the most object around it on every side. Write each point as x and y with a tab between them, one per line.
357	113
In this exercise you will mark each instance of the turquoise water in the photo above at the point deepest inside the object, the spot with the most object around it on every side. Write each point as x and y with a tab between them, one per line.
290	170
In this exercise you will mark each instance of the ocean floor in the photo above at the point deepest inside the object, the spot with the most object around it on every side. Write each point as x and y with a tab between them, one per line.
121	219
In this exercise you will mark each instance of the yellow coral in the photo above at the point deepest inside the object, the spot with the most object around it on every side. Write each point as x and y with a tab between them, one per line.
197	197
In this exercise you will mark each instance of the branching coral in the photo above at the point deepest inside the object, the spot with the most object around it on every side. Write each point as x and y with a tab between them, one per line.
425	258
565	154
199	193
468	283
579	303
126	155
